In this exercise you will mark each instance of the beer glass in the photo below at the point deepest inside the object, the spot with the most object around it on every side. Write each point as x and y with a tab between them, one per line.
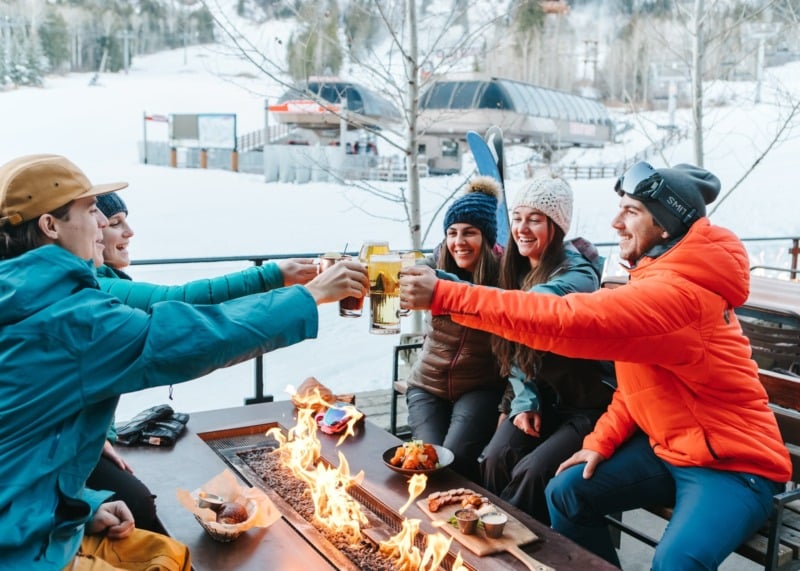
384	293
371	247
326	260
349	306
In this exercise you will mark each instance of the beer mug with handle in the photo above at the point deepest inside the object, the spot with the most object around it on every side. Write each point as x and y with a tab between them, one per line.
384	293
371	247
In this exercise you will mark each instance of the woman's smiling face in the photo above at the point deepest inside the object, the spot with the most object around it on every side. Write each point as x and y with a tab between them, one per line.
464	244
531	231
116	237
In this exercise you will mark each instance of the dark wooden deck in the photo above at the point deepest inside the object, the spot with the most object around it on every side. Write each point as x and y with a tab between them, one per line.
375	406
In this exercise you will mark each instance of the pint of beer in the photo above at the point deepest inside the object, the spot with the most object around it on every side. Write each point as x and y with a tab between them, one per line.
384	293
348	306
371	247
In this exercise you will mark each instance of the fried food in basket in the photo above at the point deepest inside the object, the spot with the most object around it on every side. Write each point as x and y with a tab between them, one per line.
415	455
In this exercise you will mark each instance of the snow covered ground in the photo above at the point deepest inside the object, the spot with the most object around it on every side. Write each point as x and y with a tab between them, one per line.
191	213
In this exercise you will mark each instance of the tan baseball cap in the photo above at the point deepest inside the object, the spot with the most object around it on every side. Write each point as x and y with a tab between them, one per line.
33	185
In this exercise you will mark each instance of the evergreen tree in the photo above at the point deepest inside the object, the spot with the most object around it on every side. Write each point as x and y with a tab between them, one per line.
29	69
203	25
54	37
4	77
316	49
362	25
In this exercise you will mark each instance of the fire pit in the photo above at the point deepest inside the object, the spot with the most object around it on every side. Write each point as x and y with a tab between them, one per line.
216	438
357	539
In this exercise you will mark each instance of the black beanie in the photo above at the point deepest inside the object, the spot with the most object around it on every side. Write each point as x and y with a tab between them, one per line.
111	204
695	186
478	207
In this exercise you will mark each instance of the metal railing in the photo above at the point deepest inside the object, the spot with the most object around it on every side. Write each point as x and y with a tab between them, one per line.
259	259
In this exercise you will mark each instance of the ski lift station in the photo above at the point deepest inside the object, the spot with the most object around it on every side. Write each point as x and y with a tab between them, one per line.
536	117
331	111
328	127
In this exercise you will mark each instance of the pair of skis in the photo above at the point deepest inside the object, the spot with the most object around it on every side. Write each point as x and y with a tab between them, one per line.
489	160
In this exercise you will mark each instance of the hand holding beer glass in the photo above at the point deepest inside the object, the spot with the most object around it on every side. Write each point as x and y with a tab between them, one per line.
344	278
417	285
350	306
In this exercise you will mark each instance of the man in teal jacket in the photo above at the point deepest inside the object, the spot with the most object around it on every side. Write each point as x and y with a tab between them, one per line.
69	350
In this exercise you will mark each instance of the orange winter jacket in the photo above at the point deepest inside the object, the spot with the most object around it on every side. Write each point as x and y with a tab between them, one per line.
684	372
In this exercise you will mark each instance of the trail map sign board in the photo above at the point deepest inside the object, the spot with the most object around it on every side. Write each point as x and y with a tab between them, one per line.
203	130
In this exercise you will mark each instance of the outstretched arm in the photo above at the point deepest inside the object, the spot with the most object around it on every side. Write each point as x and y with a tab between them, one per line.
143	295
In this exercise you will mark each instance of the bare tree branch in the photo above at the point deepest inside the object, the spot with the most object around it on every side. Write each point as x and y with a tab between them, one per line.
787	123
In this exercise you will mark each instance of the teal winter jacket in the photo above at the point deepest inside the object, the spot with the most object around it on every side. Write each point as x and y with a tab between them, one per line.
67	352
143	295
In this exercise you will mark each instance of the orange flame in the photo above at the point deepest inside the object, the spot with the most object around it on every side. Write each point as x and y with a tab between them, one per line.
401	547
334	508
299	450
407	556
354	415
435	551
458	564
416	485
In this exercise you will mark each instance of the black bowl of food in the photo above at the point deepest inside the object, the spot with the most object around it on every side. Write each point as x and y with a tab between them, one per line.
417	457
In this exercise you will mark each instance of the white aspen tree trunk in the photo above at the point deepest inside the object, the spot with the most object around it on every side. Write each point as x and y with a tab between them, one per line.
697	81
412	112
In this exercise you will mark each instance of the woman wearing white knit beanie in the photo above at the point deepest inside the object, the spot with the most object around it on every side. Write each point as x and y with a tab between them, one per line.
554	400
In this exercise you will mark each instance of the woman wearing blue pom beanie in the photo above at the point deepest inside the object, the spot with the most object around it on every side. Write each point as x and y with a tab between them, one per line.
455	385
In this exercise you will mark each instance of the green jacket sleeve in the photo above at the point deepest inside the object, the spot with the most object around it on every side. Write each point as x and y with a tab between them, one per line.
526	394
143	295
111	435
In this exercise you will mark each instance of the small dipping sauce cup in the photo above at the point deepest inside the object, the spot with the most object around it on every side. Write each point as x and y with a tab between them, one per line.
493	524
209	501
467	519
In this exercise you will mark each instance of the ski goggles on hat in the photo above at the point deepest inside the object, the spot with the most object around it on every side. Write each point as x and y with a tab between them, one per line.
642	182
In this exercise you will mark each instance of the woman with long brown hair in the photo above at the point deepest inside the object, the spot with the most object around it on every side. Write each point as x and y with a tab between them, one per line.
556	400
455	385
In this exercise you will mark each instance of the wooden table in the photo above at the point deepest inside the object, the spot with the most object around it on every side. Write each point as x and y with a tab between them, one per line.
192	462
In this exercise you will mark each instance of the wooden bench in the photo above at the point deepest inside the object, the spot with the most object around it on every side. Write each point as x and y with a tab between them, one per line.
777	544
771	320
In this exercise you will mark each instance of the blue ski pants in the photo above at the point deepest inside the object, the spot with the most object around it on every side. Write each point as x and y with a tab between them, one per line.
714	511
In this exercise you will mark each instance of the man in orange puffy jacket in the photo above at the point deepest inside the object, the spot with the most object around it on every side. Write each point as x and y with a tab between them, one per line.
689	425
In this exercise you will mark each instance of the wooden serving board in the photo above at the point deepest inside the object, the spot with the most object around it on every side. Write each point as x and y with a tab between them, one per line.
514	535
